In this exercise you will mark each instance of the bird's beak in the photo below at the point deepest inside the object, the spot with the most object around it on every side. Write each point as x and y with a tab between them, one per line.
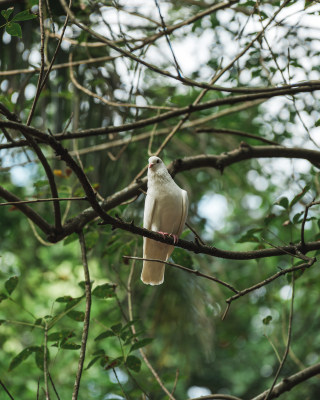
151	165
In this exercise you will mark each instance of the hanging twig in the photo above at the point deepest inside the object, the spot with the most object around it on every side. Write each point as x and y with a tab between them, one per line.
86	321
288	343
165	30
145	359
45	362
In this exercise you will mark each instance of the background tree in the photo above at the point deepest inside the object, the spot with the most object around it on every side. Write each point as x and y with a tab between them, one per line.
227	94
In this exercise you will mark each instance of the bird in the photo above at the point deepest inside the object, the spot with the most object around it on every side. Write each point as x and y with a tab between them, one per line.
165	211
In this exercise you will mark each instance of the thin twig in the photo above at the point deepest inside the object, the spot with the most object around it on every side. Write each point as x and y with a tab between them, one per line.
122	389
86	321
6	390
53	385
192	271
196	234
145	359
45	362
217	397
14	203
165	30
39	88
267	281
288	343
313	203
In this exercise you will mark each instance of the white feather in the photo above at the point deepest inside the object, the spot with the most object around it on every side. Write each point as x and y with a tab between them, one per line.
165	210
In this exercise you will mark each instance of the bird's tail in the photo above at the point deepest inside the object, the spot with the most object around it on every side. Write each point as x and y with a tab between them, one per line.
153	271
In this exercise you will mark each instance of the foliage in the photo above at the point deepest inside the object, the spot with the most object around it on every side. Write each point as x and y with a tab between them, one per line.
227	91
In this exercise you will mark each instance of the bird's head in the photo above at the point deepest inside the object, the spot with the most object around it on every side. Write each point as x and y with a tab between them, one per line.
155	163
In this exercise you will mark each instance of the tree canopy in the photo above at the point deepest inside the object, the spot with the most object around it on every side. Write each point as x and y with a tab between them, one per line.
226	93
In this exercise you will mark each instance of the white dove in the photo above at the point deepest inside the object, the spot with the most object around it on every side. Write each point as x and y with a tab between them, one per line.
165	211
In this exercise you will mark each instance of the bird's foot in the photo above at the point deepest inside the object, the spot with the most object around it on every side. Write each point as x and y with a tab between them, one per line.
175	237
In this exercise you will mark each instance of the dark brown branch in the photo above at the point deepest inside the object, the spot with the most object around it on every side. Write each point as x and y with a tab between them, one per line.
288	383
236	133
170	114
189	109
50	176
86	316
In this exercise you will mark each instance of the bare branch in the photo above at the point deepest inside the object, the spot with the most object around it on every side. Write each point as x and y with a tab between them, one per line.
267	281
192	271
86	316
290	382
145	358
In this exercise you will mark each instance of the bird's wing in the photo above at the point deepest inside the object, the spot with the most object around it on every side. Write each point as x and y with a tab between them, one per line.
149	209
152	272
185	206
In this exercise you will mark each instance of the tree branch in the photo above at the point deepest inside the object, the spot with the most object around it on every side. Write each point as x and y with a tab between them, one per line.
192	271
288	383
86	316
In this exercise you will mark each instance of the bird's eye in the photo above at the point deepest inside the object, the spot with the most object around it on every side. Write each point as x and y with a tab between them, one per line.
158	161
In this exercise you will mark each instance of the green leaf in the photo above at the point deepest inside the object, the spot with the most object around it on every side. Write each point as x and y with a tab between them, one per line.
11	284
297	217
22	356
104	291
14	29
37	322
93	361
24	16
91	239
62	335
300	195
40	183
113	364
133	363
267	320
3	297
70	346
71	238
182	257
317	123
116	328
140	343
73	302
249	236
6	13
2	321
104	335
76	315
39	357
283	202
82	284
64	299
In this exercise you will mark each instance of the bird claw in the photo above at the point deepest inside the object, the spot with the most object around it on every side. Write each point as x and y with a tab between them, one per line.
175	237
